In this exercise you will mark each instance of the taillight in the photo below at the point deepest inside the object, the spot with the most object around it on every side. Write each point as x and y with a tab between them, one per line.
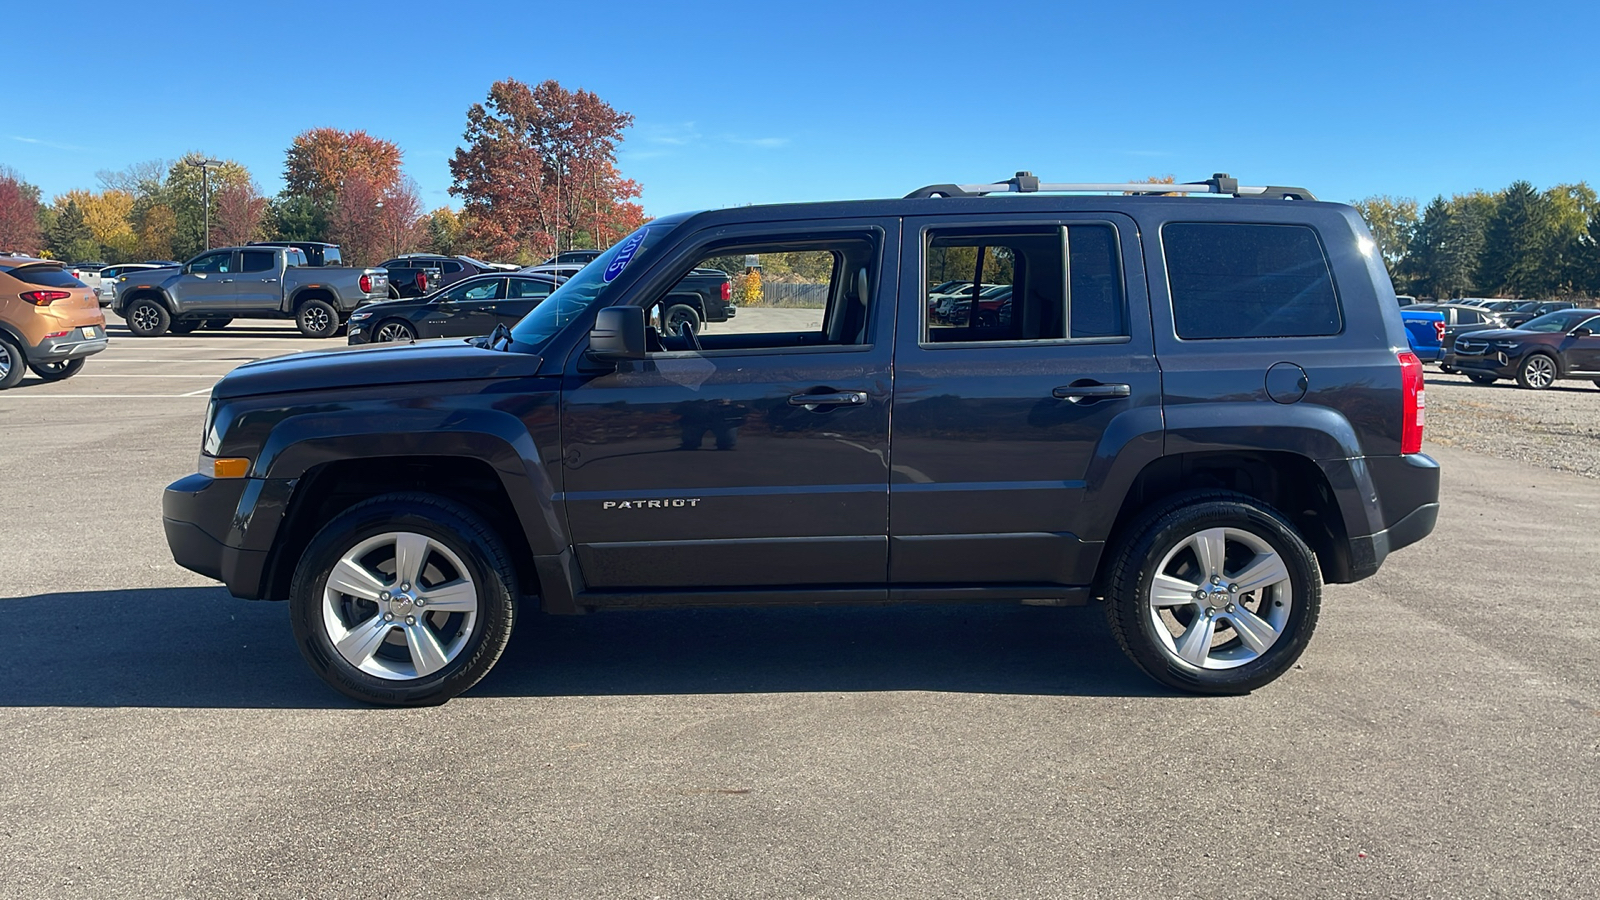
366	284
727	291
45	298
1438	329
422	282
1415	404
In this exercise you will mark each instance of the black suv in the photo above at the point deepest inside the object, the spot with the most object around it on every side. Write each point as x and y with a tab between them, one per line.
1195	411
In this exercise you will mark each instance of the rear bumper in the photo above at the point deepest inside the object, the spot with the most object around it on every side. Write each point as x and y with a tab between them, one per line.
1401	508
71	346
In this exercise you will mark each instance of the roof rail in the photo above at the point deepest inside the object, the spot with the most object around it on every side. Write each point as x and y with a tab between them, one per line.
1028	183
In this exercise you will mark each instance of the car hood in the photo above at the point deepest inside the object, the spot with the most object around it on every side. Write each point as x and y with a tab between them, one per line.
380	364
1504	334
151	276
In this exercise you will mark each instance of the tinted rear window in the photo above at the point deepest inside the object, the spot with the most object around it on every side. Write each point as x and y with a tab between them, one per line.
46	276
258	261
1240	281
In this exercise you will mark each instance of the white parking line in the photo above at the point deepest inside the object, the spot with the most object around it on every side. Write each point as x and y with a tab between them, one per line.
46	396
132	375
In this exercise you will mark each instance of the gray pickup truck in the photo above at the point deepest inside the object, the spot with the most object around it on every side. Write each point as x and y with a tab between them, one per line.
230	283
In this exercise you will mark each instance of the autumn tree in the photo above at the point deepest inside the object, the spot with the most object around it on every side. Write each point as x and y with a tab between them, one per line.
538	171
240	211
158	230
319	161
372	223
1391	221
442	229
19	214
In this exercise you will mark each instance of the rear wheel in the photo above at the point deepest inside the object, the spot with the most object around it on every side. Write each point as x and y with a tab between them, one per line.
1215	593
12	367
403	600
678	315
394	330
317	318
58	370
1483	379
1537	372
147	318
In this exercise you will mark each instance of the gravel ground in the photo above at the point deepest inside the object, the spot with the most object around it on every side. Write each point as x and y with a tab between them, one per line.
1558	428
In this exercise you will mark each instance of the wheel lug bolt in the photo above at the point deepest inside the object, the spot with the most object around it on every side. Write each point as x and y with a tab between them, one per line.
388	617
1199	595
405	587
1230	607
1211	611
411	620
384	596
1216	579
1233	589
421	602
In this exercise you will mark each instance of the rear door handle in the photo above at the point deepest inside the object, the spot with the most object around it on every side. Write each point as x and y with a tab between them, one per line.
837	398
269	281
227	281
1078	393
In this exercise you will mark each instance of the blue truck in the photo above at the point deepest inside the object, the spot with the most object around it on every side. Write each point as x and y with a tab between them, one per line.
1425	331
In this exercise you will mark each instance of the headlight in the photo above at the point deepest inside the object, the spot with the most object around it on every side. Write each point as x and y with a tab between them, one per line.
360	316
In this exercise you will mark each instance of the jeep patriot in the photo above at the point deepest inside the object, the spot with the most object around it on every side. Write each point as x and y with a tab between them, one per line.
1193	409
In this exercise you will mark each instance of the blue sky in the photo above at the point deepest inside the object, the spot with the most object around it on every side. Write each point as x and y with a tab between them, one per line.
748	103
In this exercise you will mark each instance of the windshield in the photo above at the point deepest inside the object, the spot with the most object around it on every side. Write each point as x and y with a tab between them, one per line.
579	292
1551	323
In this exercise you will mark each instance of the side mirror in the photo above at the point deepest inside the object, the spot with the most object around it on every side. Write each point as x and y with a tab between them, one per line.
618	334
1581	332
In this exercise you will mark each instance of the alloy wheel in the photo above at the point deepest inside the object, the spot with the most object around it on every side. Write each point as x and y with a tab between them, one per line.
145	318
1220	599
1541	371
316	319
6	362
394	331
399	606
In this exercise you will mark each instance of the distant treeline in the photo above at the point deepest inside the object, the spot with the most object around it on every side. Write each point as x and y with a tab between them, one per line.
1518	242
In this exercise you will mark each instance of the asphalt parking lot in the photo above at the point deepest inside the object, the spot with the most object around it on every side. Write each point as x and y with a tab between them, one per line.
1441	737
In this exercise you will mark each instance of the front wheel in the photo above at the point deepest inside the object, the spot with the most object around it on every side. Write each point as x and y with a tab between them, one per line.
403	600
1214	594
317	319
1537	372
58	370
394	330
147	318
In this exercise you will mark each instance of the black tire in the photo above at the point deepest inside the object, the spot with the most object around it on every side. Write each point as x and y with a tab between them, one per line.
1164	530
13	365
1538	371
215	324
317	319
467	536
1482	379
59	370
147	318
677	315
184	326
393	331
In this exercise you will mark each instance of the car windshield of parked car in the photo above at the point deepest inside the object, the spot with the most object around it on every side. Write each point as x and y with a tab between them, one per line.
587	285
1550	323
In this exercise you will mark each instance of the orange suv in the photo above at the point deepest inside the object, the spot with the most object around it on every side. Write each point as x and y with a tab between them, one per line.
49	321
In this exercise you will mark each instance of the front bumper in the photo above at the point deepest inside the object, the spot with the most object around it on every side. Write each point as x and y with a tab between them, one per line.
198	514
359	333
1490	362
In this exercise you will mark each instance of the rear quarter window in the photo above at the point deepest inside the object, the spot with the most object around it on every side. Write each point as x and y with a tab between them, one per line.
1238	280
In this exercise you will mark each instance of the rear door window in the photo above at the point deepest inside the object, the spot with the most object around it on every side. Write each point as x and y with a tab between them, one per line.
257	261
1238	280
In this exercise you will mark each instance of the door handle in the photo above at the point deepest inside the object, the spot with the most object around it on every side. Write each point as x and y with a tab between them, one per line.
227	281
1079	393
837	398
269	281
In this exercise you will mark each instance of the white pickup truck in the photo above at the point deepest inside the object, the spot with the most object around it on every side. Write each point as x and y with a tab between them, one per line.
230	283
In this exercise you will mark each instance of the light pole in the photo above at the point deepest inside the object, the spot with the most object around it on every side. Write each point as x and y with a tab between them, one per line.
205	191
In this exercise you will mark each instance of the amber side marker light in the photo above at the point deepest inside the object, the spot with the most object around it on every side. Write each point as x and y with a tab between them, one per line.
230	467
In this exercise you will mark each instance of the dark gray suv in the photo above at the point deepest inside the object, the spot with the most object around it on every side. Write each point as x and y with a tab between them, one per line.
1196	411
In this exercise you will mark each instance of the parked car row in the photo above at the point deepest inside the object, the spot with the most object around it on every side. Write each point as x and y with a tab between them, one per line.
1558	345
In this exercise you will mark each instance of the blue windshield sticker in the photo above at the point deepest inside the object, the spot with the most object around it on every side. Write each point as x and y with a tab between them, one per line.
624	255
